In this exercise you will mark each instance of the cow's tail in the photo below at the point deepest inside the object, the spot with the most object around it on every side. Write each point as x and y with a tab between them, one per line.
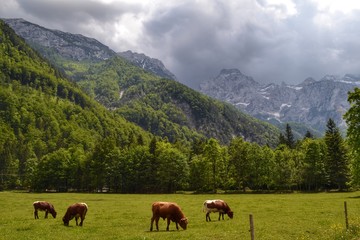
204	207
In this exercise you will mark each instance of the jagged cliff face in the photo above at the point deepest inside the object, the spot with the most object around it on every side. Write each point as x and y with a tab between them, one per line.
150	64
311	102
72	46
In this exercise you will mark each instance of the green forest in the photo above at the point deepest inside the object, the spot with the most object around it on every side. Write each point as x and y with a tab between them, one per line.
60	134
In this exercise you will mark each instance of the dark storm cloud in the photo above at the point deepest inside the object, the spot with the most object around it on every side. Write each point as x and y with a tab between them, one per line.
203	42
286	48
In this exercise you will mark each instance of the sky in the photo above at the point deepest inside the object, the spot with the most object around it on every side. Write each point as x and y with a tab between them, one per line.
273	41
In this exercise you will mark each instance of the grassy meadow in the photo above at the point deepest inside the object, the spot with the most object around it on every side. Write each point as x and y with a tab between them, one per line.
123	216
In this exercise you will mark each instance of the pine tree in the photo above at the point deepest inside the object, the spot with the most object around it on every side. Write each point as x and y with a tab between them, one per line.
289	136
308	134
337	157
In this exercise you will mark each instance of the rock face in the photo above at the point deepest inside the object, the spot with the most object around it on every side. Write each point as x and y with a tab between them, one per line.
311	102
152	65
71	46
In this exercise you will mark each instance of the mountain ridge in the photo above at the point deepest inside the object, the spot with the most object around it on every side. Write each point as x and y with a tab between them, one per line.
78	47
311	102
152	65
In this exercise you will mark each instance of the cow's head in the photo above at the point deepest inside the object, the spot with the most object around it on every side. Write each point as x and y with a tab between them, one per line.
183	223
230	214
66	221
53	213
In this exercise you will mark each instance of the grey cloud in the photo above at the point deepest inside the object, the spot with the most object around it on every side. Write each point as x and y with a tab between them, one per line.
268	49
196	39
69	10
81	16
204	44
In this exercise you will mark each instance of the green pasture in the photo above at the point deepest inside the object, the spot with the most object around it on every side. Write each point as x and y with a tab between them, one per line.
122	216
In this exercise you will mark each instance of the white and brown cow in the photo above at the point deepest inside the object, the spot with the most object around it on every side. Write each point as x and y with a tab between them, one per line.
43	206
170	211
77	210
217	206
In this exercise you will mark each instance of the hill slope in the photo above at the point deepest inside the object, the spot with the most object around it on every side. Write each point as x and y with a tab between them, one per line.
168	108
161	106
41	112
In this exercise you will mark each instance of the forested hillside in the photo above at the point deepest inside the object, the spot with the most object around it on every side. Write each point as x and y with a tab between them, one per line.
161	106
168	108
44	116
164	107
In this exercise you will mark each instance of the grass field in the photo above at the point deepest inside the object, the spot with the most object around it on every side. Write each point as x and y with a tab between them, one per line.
122	216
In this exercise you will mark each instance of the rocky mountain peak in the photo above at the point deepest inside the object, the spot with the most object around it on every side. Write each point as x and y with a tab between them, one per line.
147	63
233	77
232	71
307	81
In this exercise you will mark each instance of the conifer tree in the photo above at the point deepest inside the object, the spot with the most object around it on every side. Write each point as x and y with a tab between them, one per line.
289	137
308	134
337	157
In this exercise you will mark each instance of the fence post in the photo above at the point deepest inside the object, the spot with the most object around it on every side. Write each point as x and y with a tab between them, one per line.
252	230
346	215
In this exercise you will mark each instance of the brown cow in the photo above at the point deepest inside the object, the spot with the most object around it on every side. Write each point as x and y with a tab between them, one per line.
43	206
217	206
170	211
76	210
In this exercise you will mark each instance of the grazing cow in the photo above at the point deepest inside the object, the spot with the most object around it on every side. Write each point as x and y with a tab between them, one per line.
170	211
76	210
43	206
217	206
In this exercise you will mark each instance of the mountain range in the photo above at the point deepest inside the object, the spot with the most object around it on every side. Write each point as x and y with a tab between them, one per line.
127	84
311	102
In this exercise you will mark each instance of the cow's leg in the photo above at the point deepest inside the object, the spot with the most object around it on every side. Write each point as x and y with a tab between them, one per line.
76	220
177	227
208	216
221	214
82	220
46	213
168	224
152	222
36	214
157	223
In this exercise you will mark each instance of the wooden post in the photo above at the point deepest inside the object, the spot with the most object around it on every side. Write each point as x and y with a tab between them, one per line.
252	230
346	215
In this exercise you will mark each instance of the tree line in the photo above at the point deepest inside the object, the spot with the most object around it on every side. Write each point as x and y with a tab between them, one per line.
202	166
